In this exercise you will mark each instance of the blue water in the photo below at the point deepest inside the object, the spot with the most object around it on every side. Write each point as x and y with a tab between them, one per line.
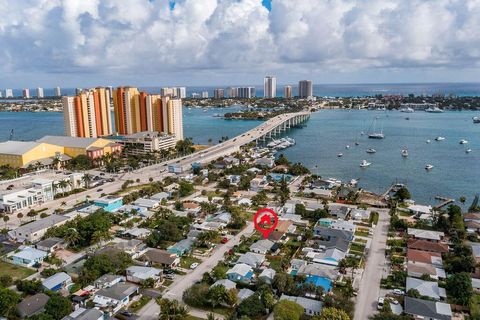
330	90
455	172
327	133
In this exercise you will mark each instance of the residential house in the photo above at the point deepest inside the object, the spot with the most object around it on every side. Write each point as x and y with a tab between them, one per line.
131	209
426	288
138	274
429	235
295	265
264	162
263	246
240	273
32	305
418	210
316	269
50	244
160	196
472	222
113	298
331	256
417	270
221	217
227	284
109	203
107	280
161	257
34	231
85	314
234	179
323	184
28	257
149	204
476	252
343	225
244	294
181	247
295	218
231	161
258	183
424	257
244	202
57	282
137	233
339	211
360	214
254	260
192	207
283	229
346	193
427	310
425	245
329	233
267	275
310	307
133	247
254	170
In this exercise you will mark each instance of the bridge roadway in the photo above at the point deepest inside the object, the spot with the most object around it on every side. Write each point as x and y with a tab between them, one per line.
265	130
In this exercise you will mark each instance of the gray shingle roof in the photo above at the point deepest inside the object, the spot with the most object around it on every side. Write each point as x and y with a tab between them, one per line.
32	305
118	291
17	147
428	309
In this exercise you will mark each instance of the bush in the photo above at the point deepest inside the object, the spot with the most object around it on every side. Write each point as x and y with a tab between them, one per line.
196	295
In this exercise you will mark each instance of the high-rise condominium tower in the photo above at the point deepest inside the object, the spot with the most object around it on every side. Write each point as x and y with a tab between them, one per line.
57	92
8	93
305	88
138	111
269	87
26	93
219	93
88	114
287	92
40	93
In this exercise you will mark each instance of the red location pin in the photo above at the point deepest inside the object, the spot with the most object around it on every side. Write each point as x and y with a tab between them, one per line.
263	221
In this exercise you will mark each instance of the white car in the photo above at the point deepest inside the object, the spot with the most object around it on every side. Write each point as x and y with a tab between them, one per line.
398	291
380	303
193	265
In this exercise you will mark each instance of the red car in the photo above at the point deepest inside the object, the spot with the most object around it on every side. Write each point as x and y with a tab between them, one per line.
224	240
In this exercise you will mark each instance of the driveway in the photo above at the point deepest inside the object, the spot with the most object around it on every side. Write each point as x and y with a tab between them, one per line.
369	291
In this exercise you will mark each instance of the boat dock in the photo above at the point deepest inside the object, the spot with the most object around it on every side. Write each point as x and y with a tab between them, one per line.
445	201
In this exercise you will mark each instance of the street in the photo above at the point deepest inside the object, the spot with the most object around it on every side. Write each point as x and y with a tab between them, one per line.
369	290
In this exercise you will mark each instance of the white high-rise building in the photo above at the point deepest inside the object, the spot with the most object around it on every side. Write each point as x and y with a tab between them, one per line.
57	92
269	87
26	93
305	88
172	117
8	93
219	93
246	92
181	92
205	94
232	92
287	92
69	121
40	93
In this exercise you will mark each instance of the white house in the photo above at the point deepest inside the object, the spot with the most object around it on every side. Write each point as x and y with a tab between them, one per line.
310	307
34	231
113	298
137	274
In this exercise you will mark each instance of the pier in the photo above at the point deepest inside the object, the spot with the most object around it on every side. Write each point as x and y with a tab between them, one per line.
445	202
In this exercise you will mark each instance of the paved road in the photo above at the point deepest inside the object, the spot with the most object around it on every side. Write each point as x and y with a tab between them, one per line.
150	311
369	290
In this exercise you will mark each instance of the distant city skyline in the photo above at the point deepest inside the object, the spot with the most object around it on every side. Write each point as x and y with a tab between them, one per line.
84	44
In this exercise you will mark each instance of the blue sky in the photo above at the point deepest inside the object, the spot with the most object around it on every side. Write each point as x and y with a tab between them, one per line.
220	42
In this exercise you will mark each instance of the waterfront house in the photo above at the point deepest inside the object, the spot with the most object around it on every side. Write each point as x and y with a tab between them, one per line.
262	246
426	288
109	203
240	273
32	305
254	260
181	247
310	307
50	244
429	235
107	280
424	257
264	162
138	274
28	257
113	298
426	309
161	257
57	282
418	210
34	231
346	193
227	284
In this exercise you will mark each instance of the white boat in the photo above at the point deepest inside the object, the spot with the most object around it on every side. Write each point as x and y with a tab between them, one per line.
463	141
340	155
405	153
374	134
439	138
468	150
347	147
407	110
371	150
428	141
476	119
353	182
273	143
434	110
428	167
364	164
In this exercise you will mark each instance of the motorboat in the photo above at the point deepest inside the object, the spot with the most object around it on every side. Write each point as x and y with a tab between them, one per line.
340	155
468	150
407	110
428	167
405	153
371	150
364	164
439	138
476	119
434	110
347	147
463	141
353	182
428	141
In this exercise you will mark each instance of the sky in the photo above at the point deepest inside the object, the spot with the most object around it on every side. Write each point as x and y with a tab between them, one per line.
81	43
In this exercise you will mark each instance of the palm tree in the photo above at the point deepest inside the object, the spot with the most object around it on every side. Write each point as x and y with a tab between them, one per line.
72	236
87	178
55	162
5	219
20	216
63	204
62	185
172	310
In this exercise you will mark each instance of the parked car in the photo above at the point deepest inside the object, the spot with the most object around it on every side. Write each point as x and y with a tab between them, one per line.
193	265
224	240
99	190
169	276
168	271
399	292
380	303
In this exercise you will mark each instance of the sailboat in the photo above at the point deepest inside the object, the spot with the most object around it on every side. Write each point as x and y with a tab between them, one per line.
376	135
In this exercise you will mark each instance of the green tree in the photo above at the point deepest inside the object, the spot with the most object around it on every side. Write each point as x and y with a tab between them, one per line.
332	314
196	295
29	286
459	288
413	293
185	188
6	281
402	194
252	306
72	237
282	160
172	310
8	303
287	310
58	307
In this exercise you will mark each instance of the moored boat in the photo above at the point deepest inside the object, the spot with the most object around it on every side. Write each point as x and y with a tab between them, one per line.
364	164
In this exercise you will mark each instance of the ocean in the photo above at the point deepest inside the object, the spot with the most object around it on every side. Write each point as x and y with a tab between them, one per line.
326	134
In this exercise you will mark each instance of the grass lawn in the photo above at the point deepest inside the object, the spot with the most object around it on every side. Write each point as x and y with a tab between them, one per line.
357	247
186	261
167	282
361	240
137	305
16	272
475	306
404	213
361	233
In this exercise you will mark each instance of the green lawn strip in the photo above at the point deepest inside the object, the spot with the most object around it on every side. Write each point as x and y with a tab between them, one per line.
186	261
16	272
137	305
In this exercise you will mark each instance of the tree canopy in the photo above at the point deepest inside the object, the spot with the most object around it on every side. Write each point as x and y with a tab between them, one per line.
287	310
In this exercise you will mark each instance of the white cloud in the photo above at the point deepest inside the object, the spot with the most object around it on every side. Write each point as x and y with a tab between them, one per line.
111	38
